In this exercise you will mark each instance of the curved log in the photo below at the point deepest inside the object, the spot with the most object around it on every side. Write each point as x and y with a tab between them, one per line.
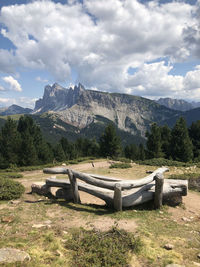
131	197
125	184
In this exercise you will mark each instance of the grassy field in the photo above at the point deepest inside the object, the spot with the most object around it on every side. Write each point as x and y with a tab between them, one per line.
57	233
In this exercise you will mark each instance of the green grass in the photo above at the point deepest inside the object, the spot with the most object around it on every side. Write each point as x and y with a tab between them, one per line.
12	175
95	248
120	166
164	162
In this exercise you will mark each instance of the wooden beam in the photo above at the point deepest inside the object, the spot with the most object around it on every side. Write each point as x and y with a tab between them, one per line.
74	187
158	196
117	200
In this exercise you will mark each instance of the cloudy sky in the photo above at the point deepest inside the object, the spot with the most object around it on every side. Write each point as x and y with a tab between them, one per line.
140	47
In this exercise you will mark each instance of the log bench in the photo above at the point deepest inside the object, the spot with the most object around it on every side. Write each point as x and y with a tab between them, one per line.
118	193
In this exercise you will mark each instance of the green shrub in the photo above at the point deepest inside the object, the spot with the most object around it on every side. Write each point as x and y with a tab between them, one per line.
95	248
126	160
10	175
120	165
164	162
10	189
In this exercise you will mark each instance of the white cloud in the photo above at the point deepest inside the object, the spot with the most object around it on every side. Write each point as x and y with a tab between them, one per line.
154	80
39	79
2	88
101	40
25	102
12	83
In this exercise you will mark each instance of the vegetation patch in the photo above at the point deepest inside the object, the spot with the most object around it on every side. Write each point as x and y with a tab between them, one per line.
121	165
10	189
95	248
10	175
164	162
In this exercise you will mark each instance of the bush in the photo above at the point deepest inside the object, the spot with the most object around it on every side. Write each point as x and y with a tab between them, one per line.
95	248
11	175
121	165
10	189
163	162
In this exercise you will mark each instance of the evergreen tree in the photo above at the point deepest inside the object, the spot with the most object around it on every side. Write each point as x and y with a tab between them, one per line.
141	152
10	142
181	145
154	144
110	143
131	151
59	153
28	152
165	141
194	133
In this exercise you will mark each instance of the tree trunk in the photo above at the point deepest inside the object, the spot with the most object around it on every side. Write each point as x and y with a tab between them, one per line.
117	201
158	196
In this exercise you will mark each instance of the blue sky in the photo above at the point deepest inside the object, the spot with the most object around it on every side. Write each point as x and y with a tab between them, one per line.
146	48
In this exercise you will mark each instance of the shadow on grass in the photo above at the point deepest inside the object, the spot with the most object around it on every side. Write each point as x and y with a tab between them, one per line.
98	209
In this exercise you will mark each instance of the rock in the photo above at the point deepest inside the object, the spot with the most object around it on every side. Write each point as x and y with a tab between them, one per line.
64	164
12	255
196	263
40	189
39	225
186	219
198	256
7	219
15	202
47	222
168	246
174	265
161	212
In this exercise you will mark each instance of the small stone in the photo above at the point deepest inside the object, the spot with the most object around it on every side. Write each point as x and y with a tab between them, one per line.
7	219
39	225
196	263
161	212
135	210
186	219
64	164
58	253
168	246
198	256
12	255
15	202
174	265
65	232
47	222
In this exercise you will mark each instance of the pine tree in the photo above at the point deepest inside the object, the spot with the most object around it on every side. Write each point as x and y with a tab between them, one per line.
181	145
110	143
165	141
59	153
131	151
10	142
154	144
28	152
194	133
141	152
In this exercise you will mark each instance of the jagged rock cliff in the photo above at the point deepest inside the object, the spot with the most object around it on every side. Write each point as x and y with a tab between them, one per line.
80	107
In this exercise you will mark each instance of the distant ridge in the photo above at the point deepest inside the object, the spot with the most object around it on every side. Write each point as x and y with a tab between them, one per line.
177	104
14	109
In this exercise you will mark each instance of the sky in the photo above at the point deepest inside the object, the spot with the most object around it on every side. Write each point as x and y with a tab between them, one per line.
139	47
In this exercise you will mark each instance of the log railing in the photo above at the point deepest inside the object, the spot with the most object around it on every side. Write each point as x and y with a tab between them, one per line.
119	193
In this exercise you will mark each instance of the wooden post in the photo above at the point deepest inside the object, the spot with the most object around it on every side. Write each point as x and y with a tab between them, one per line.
74	187
117	200
159	182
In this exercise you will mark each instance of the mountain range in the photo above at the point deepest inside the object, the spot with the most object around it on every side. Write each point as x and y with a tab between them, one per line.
78	112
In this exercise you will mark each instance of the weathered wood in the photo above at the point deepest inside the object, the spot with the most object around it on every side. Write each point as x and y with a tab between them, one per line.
56	170
117	200
131	197
125	184
74	187
158	196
